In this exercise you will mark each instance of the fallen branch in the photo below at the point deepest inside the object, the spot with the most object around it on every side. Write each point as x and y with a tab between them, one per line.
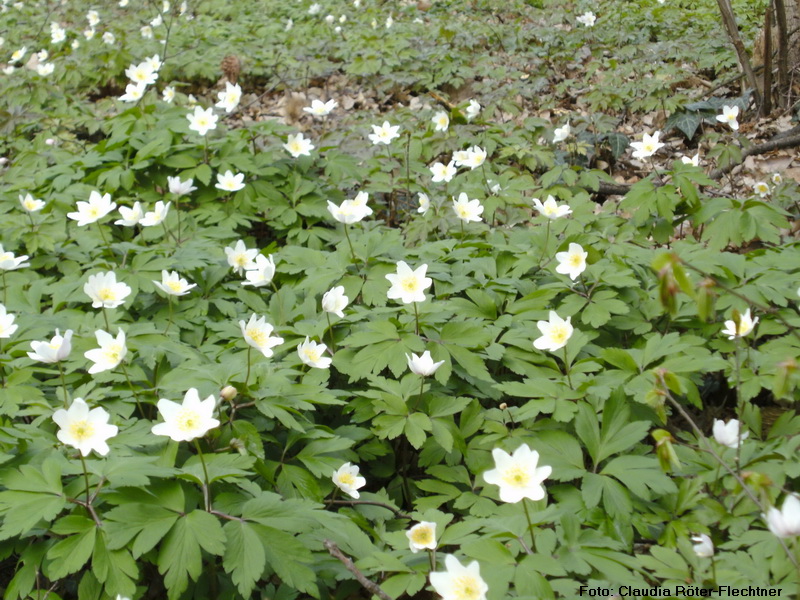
372	588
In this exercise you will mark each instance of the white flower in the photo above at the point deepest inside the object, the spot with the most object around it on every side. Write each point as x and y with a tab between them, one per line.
472	110
314	9
729	116
57	33
312	354
17	55
9	70
389	22
157	21
424	203
517	474
459	582
297	145
240	257
147	32
587	19
230	182
133	92
191	101
423	365
334	301
289	25
130	216
56	350
262	273
229	99
572	262
108	38
704	547
728	434
319	108
408	285
422	536
104	290
180	188
258	333
761	188
84	429
348	480
110	353
384	134
7	326
551	209
343	19
187	421
157	216
31	204
142	73
123	3
93	17
746	324
154	62
202	121
561	133
92	211
169	94
785	522
694	160
9	262
330	19
777	178
467	210
350	211
473	158
173	284
555	333
45	69
648	146
443	172
165	6
441	120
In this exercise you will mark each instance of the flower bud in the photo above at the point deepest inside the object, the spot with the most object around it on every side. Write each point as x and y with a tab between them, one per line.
228	393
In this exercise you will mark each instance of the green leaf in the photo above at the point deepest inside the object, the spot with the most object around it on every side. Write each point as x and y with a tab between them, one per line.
244	556
685	121
71	553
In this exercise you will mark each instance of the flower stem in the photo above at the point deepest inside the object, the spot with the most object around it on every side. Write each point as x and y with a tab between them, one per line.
349	243
416	319
63	384
206	485
432	558
566	369
169	322
546	241
247	376
530	523
330	330
86	478
5	287
739	404
178	213
419	395
105	241
133	389
105	318
205	150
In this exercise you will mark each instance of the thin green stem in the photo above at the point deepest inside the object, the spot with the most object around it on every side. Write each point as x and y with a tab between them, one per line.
206	485
463	235
133	389
169	322
105	318
5	288
566	369
105	241
349	243
739	405
330	330
530	523
178	213
205	150
247	376
546	241
416	318
419	394
86	478
432	558
63	385
2	367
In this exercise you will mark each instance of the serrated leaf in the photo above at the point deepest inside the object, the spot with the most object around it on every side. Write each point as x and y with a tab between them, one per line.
244	556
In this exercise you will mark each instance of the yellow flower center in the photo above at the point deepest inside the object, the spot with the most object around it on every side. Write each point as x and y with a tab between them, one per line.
94	212
7	256
107	295
347	479
257	335
462	211
296	147
410	283
175	286
466	587
202	122
30	204
559	334
576	260
422	536
187	420
81	430
241	259
112	353
312	355
516	476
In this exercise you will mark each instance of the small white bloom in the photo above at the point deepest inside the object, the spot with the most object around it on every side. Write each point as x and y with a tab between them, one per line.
746	325
84	429
173	284
104	290
9	262
785	522
297	145
229	182
157	216
730	115
384	134
93	18
130	216
154	62
458	582
56	350
348	480
703	547
314	9
441	120
146	31
141	73
777	178
728	434
562	133
108	38
351	211
319	108
472	110
313	354
550	208
18	55
518	474
389	22
408	285
7	326
187	421
180	188
572	262
110	353
587	19
648	146
555	333
258	334
423	365
133	92
229	99
761	188
334	301
422	536
424	203
442	172
694	160
31	204
467	210
289	25
57	33
262	273
241	258
157	21
330	19
169	94
202	121
472	157
92	211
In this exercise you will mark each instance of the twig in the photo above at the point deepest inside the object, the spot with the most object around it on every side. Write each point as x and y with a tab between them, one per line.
372	588
729	19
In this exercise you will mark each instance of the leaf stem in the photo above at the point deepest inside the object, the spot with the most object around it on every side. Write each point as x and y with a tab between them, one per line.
63	384
530	524
206	485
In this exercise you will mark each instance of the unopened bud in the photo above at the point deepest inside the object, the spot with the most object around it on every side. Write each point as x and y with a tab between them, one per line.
228	393
503	406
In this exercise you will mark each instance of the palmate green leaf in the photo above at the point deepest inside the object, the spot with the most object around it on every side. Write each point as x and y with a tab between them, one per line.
71	553
115	568
288	558
244	556
33	494
180	556
220	466
641	475
148	524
